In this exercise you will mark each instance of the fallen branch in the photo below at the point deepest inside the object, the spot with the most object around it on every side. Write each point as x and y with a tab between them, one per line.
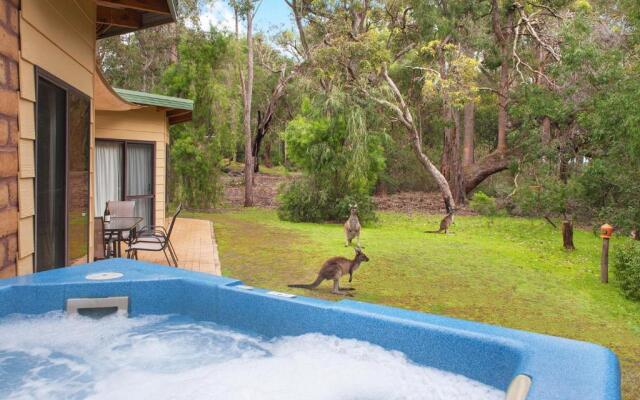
546	217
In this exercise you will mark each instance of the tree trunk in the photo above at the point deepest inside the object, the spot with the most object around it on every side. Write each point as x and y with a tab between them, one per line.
264	118
451	159
266	155
404	115
567	235
545	131
451	162
503	93
503	37
441	181
247	98
469	134
477	172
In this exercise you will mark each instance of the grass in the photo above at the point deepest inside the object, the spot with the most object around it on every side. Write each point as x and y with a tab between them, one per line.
512	272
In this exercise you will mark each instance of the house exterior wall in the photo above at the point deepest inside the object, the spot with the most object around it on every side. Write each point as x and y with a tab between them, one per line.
9	136
57	36
146	124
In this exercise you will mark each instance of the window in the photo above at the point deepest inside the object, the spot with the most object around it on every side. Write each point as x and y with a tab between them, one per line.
125	171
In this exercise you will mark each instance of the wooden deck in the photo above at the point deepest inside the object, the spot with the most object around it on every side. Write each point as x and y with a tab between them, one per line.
195	244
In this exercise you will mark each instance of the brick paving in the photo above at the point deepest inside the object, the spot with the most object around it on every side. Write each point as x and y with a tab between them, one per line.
195	244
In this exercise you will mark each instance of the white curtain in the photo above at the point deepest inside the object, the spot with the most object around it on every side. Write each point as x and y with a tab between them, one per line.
108	174
139	182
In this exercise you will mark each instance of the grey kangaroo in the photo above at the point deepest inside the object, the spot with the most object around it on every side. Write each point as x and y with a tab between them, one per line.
352	226
333	269
444	224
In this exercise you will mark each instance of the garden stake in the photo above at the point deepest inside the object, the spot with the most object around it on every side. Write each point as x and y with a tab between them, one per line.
606	231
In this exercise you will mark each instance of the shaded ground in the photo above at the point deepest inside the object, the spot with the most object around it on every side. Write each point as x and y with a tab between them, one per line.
415	202
267	184
512	272
265	190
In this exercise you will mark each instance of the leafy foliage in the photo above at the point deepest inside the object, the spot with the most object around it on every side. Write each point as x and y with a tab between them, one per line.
341	158
627	269
196	173
484	204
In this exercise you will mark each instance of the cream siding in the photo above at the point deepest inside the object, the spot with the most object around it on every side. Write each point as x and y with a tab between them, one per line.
148	125
59	37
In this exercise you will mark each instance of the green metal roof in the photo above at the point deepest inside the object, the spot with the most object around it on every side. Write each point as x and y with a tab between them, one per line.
150	99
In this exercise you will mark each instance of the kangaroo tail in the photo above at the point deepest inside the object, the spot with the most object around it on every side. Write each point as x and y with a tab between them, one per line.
313	285
433	231
301	286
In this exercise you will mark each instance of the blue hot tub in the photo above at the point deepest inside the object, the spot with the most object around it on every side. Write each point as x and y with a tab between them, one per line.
542	367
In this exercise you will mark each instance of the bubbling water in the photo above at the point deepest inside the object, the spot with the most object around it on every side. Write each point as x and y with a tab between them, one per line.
55	356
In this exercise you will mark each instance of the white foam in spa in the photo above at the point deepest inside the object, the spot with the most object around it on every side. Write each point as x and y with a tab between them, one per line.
57	356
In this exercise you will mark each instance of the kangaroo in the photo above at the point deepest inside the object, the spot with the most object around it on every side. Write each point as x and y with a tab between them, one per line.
444	224
333	269
352	226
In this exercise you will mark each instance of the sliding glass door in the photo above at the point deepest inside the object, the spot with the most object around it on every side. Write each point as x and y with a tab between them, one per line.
139	178
109	173
62	174
124	171
51	176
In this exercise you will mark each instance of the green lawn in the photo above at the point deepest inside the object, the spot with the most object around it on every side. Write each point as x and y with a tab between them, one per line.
512	272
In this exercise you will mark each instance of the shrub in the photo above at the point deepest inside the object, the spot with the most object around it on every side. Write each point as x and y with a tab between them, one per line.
484	204
627	269
304	201
341	159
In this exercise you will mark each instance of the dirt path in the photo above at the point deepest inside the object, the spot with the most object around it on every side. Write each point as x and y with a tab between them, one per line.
266	191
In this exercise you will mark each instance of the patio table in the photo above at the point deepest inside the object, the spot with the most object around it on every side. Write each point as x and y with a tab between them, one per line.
117	226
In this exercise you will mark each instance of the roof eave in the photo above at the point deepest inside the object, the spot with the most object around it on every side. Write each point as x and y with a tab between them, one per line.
149	20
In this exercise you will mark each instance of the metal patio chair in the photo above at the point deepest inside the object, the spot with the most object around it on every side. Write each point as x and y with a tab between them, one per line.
100	244
122	209
155	238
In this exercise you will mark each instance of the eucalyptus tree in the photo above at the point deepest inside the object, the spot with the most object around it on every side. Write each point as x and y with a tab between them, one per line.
246	10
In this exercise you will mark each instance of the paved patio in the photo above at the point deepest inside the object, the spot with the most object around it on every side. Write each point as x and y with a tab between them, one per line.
195	244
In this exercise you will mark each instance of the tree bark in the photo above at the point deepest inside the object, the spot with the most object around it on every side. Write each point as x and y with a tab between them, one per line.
405	117
451	162
451	159
567	235
265	118
503	93
503	37
474	172
477	172
247	98
469	134
266	155
545	130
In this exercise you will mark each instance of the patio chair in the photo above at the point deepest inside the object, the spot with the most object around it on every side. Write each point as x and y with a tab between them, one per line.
99	248
121	209
155	238
149	232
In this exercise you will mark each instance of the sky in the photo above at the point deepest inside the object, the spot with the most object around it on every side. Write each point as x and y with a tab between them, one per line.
272	14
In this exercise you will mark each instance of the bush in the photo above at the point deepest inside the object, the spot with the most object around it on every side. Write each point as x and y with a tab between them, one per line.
341	159
304	201
484	204
627	269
